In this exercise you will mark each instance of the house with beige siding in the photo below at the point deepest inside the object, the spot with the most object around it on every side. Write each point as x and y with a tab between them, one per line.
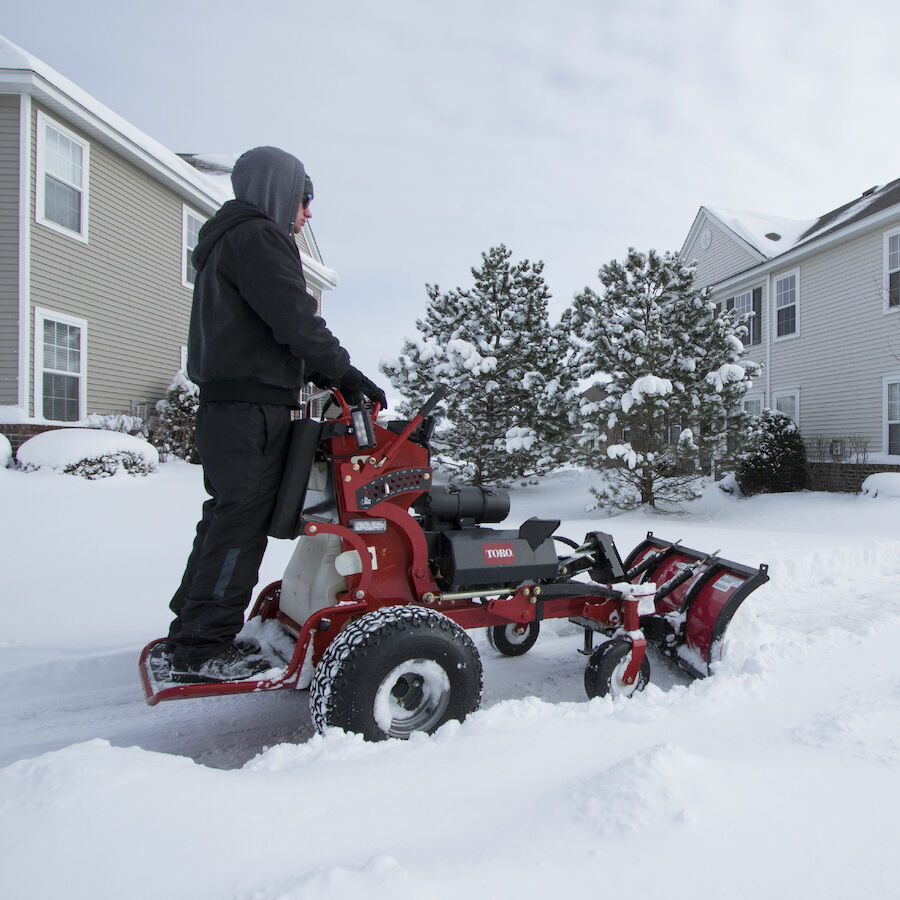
823	297
97	223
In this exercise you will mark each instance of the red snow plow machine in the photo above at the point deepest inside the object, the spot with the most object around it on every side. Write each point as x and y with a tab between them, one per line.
390	570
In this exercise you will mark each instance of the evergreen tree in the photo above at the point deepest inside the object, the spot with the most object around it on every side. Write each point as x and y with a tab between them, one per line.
493	347
665	366
776	459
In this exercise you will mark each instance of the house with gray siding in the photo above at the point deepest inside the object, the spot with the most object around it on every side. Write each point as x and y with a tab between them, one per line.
97	223
823	298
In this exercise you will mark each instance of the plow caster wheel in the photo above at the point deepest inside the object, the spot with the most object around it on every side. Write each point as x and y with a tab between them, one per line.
513	640
395	671
606	667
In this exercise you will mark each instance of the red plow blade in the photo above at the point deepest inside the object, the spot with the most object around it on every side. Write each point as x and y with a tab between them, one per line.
697	595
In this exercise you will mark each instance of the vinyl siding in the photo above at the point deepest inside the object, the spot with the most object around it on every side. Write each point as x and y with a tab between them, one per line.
846	343
725	256
125	282
9	250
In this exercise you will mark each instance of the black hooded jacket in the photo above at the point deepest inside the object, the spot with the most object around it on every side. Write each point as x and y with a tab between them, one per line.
254	333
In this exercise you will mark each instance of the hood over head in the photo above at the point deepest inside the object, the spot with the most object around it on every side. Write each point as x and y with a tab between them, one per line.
273	181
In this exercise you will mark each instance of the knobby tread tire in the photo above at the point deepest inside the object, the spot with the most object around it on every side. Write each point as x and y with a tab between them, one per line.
601	667
342	693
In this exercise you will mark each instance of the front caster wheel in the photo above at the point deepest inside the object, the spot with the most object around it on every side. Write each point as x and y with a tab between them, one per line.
513	640
607	666
396	671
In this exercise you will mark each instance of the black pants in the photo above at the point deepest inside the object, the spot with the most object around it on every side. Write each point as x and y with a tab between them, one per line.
242	447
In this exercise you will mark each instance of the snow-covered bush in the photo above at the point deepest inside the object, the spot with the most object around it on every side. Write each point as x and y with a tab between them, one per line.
5	451
174	432
776	460
881	484
119	422
88	452
665	368
109	464
507	411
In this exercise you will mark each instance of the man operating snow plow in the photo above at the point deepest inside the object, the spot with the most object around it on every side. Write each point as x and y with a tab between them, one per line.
389	571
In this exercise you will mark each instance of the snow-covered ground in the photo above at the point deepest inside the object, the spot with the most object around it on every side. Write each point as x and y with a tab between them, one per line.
778	777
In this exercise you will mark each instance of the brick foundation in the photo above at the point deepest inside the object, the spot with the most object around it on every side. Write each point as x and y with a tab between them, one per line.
843	477
18	434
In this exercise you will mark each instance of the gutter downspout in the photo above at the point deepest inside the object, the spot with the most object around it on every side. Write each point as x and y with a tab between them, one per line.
24	391
767	402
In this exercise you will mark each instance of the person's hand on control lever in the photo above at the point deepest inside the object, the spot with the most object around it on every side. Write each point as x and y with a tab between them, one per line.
354	386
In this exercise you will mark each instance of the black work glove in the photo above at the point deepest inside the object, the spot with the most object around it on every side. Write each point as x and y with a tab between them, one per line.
354	386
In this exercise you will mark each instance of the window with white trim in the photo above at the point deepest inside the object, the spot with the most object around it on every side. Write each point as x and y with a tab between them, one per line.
743	303
788	402
60	366
752	406
786	305
892	270
892	416
191	223
61	187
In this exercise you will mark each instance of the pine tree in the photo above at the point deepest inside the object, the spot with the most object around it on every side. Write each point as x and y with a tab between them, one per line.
493	347
665	366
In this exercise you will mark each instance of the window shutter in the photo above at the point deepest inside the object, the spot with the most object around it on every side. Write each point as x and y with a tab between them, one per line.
729	303
718	309
756	321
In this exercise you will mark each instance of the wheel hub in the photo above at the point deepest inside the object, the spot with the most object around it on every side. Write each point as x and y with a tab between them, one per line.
413	696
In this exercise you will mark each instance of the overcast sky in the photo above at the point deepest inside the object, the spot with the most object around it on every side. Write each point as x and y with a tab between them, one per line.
569	130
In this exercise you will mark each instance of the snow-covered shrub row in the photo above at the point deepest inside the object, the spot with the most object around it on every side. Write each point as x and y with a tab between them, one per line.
109	464
119	422
5	451
89	452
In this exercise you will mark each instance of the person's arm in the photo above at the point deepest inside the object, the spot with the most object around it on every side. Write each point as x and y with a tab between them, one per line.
271	280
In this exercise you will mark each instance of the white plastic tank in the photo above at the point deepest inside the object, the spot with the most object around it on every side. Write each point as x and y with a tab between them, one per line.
310	581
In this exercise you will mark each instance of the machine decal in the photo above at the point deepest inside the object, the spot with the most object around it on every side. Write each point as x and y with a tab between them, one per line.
498	554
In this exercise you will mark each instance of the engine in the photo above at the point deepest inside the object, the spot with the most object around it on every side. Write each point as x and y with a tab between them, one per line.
464	555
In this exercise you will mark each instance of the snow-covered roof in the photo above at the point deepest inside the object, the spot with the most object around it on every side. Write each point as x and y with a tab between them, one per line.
24	73
204	180
772	236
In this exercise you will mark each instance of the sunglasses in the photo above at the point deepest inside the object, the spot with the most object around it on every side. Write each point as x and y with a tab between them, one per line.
307	199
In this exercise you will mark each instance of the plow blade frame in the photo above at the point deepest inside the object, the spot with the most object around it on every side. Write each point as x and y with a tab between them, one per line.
689	621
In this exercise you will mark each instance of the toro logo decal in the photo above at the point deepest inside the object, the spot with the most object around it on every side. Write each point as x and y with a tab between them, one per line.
498	554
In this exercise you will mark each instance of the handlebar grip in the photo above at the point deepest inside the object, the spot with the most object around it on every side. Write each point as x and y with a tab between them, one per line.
440	392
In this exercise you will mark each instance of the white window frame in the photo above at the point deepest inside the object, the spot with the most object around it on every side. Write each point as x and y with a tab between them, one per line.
788	392
41	316
43	121
885	422
186	212
738	314
756	397
795	273
887	308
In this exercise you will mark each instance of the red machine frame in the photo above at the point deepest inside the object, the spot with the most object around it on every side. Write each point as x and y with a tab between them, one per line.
380	484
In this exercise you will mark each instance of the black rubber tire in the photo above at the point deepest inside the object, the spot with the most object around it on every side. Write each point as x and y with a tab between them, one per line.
503	638
606	666
395	671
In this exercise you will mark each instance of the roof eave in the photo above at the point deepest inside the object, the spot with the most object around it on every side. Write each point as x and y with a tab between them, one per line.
795	254
178	174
